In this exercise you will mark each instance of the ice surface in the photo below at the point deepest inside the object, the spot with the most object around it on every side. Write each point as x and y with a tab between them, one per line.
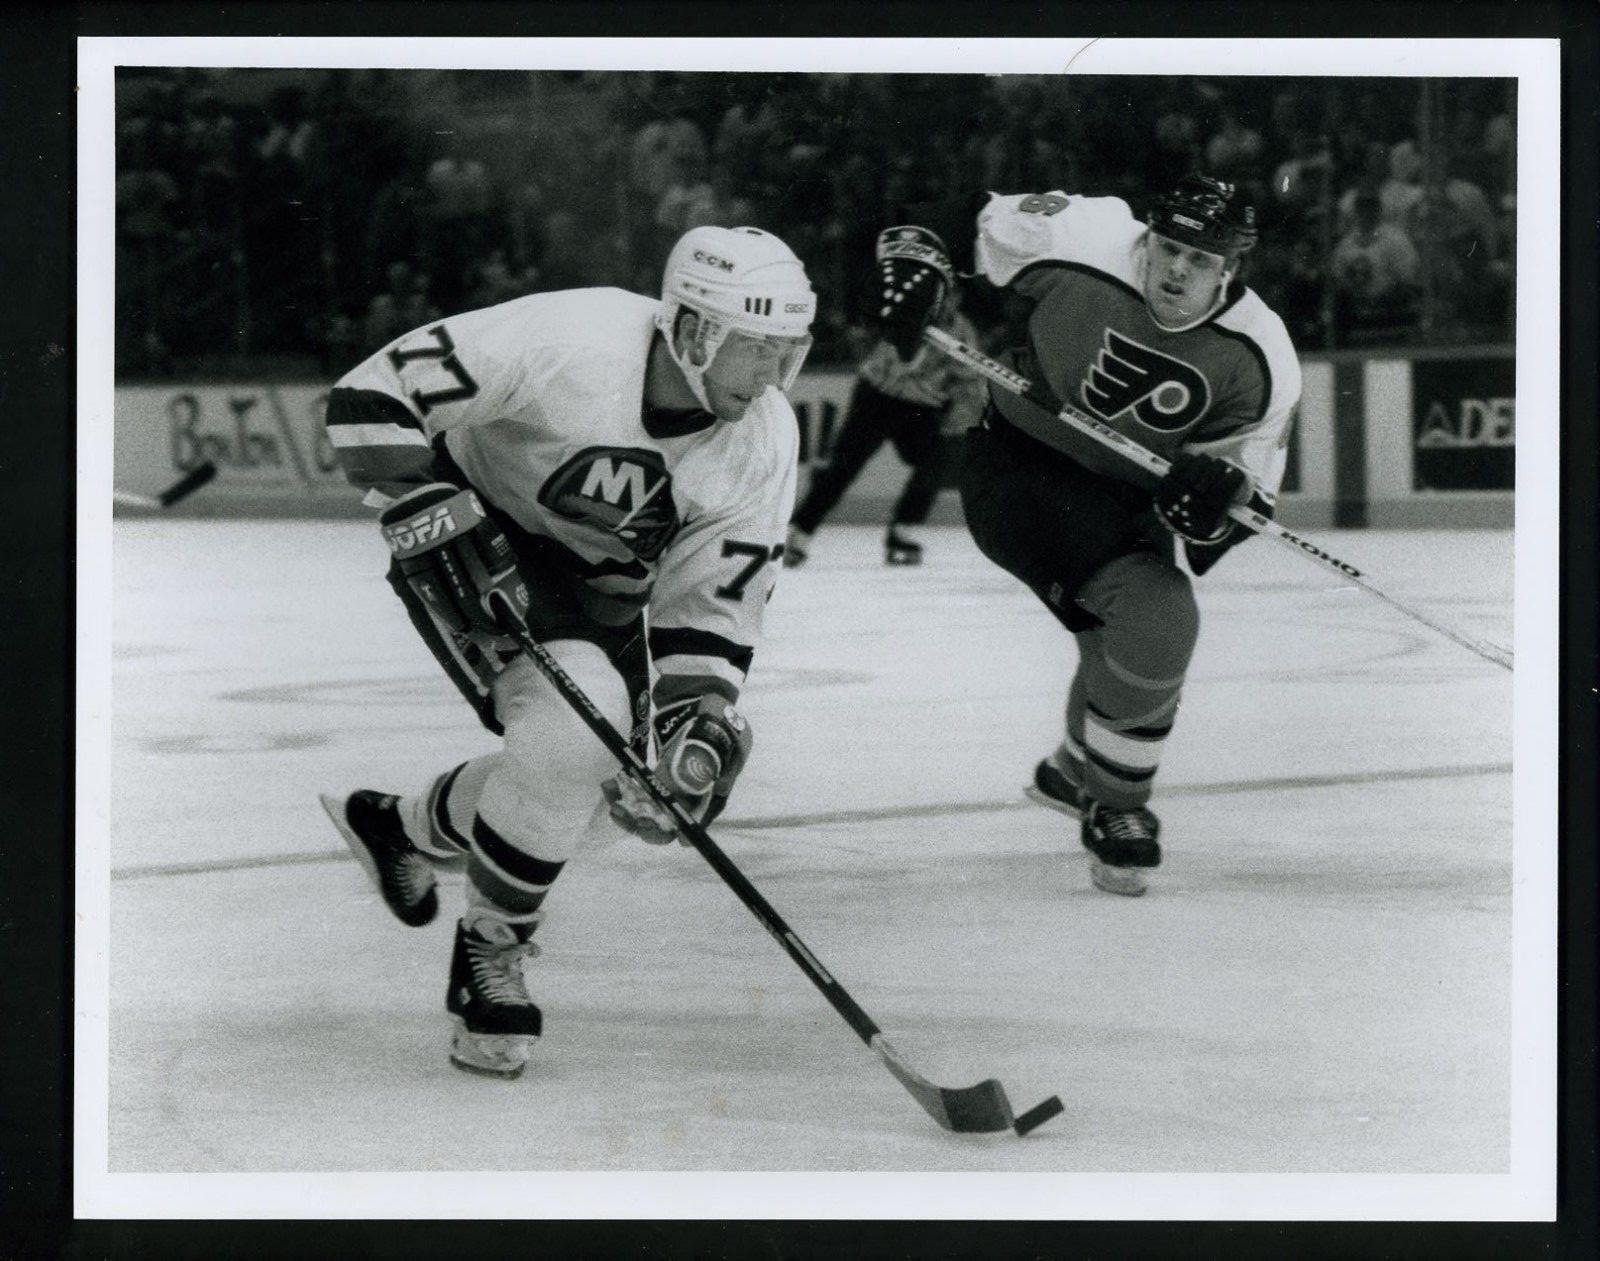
1319	980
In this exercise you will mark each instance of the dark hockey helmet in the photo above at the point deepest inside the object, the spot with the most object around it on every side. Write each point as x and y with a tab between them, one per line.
1205	213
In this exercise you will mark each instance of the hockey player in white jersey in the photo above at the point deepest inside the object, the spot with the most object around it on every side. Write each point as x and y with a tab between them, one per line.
623	469
1146	326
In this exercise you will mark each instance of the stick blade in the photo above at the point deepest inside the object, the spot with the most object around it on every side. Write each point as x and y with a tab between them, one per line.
186	485
980	1109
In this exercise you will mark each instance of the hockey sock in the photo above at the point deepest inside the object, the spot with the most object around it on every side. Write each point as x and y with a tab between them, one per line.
1130	674
439	820
504	875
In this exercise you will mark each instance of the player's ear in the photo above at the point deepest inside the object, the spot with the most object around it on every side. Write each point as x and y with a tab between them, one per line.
683	335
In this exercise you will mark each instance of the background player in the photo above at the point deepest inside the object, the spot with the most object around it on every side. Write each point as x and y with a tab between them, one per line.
587	454
1146	327
912	404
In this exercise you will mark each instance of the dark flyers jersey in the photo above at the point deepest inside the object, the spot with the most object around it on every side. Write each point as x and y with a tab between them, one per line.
1226	386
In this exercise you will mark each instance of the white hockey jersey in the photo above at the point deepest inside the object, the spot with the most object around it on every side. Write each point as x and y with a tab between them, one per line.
1226	388
540	402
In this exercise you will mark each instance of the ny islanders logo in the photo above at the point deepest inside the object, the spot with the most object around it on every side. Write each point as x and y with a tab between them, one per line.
1164	393
625	491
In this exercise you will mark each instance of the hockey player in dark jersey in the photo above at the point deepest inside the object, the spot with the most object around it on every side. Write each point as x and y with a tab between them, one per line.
913	404
1147	327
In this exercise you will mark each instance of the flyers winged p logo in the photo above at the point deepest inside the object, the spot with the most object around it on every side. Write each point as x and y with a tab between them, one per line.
1164	393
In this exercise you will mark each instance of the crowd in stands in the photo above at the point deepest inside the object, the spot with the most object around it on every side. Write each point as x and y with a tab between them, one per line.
321	213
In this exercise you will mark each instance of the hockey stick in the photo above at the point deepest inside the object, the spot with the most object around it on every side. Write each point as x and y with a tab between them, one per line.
1154	464
980	1109
185	486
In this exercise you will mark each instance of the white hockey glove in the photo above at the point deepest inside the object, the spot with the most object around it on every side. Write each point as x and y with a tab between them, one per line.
704	745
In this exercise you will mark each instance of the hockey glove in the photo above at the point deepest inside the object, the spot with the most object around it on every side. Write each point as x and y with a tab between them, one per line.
453	556
1193	499
704	745
914	275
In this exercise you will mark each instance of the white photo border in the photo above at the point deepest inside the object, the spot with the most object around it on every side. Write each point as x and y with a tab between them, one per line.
1526	1193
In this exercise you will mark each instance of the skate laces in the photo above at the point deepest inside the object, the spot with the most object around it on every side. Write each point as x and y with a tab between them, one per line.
497	968
1125	825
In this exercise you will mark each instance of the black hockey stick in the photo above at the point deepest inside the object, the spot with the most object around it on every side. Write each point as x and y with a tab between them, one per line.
980	1109
1152	463
185	486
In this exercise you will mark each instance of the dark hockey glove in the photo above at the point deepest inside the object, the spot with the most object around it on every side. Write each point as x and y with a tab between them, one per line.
1202	556
1193	499
914	275
454	557
704	744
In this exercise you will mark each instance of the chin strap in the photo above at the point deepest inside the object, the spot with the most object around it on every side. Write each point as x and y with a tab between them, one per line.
693	375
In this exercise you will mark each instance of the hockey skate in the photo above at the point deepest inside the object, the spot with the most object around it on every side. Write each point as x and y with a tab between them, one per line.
900	550
495	1022
370	824
1052	786
1121	845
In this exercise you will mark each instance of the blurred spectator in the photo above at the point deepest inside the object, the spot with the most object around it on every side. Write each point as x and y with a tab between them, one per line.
1298	181
382	324
571	258
1374	270
458	221
689	202
665	152
498	281
391	311
525	211
1234	151
744	131
1455	205
210	139
270	205
1285	121
1373	177
1405	162
146	233
284	148
340	341
145	199
1176	150
1456	231
416	309
1500	145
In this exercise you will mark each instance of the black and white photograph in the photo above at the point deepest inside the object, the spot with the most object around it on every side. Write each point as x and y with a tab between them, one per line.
817	628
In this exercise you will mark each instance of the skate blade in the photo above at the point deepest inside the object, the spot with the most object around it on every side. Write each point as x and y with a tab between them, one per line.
335	808
1127	881
416	916
1044	799
488	1054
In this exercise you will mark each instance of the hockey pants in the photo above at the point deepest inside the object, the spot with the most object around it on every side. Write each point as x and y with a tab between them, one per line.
1089	547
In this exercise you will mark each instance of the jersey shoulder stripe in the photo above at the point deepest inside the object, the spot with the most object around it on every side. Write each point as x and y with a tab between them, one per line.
1258	327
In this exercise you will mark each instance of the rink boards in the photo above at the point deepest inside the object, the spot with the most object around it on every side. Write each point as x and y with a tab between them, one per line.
1409	439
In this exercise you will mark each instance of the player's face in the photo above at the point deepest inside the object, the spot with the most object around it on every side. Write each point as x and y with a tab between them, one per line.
743	368
1181	282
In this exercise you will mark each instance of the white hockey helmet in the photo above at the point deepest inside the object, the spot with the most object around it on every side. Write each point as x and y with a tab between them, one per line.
739	280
